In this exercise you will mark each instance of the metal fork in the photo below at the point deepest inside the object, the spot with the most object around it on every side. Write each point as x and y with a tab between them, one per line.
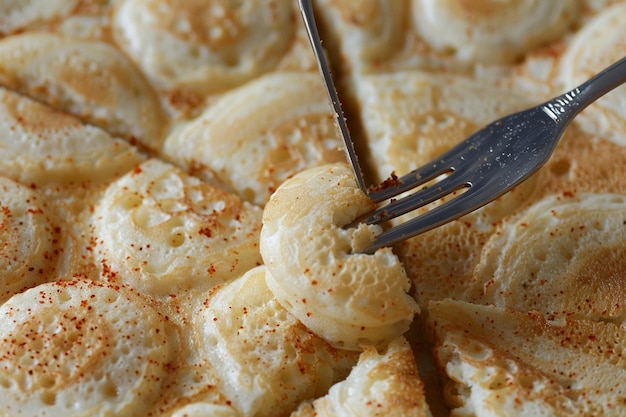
485	165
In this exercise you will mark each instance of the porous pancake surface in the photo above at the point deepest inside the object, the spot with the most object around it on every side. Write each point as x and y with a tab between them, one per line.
314	268
258	135
573	369
88	78
83	349
269	361
164	231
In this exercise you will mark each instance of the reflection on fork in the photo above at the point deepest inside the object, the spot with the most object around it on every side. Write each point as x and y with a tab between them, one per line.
484	166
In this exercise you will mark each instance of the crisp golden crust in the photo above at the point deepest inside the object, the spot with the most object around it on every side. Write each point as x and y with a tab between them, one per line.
381	384
314	270
163	231
258	135
268	360
574	369
82	349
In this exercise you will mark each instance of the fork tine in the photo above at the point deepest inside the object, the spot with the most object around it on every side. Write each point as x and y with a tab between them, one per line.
413	179
418	199
438	216
442	164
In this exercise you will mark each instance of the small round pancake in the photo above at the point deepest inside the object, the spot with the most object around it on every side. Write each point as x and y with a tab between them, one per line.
314	268
488	31
163	231
564	257
267	360
82	349
204	46
42	146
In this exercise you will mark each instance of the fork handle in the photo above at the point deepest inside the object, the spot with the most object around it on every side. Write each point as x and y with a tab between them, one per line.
565	107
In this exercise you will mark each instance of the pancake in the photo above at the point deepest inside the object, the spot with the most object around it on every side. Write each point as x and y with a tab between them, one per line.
174	165
164	232
381	384
491	31
314	268
563	257
258	135
83	349
599	43
42	146
268	360
573	369
65	72
205	47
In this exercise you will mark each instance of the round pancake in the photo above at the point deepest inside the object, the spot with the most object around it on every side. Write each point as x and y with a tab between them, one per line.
563	257
82	349
314	268
488	31
204	46
268	360
44	146
164	232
